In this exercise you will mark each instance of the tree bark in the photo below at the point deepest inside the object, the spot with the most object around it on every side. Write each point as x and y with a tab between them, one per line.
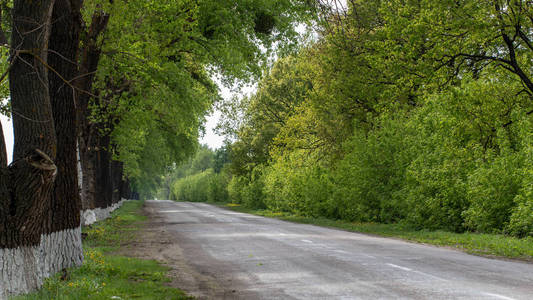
125	191
35	139
33	126
64	44
116	169
88	138
66	203
39	231
102	161
95	160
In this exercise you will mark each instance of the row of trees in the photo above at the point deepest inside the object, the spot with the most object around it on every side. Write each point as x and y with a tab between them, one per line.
125	86
402	111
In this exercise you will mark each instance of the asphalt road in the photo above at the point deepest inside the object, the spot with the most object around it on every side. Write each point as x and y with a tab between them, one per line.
241	256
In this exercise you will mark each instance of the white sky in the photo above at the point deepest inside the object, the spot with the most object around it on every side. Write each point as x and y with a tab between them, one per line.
7	126
211	138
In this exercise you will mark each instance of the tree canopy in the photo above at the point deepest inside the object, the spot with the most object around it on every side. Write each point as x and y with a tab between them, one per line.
154	79
416	112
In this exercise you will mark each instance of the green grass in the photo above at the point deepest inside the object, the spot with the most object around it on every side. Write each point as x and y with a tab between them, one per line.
116	231
480	244
107	276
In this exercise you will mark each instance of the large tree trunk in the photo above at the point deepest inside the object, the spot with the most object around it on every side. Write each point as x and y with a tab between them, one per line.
88	138
63	245
116	169
125	190
28	182
88	175
95	161
104	186
22	256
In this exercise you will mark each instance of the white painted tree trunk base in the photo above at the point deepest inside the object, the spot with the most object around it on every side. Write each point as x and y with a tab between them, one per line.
23	269
61	250
20	270
90	216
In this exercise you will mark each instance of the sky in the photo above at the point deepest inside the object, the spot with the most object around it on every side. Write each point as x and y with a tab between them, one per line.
8	135
211	138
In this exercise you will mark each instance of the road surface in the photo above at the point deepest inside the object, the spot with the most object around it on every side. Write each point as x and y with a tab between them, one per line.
221	254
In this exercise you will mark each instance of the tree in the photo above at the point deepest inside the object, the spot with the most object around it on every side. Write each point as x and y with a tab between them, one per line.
40	231
164	50
415	111
109	78
279	92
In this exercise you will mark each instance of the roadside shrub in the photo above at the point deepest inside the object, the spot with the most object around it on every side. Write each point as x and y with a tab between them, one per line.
193	188
368	178
521	220
436	190
296	183
492	188
468	170
218	187
252	193
436	181
247	191
235	188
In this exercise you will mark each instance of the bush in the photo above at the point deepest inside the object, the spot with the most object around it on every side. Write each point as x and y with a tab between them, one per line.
521	220
248	191
492	188
218	187
296	183
206	186
436	180
194	188
235	187
368	178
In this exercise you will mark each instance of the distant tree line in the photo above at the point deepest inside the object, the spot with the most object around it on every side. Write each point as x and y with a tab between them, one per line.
203	178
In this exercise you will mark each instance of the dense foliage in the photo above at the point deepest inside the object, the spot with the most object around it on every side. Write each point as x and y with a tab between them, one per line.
415	112
202	178
156	60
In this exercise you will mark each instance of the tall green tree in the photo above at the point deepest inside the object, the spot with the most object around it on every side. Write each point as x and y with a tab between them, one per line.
416	111
140	67
167	50
40	218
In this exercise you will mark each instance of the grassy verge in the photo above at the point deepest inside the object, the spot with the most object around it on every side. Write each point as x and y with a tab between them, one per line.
107	276
480	244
